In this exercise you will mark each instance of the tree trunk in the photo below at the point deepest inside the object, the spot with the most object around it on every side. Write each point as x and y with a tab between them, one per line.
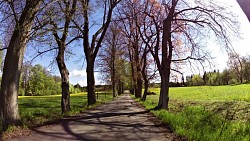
138	75
164	92
131	59
113	55
167	50
91	82
13	64
114	89
145	90
65	101
138	90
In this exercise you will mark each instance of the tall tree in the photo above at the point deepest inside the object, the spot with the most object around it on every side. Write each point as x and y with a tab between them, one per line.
111	57
235	64
145	27
207	17
68	8
184	27
91	48
13	63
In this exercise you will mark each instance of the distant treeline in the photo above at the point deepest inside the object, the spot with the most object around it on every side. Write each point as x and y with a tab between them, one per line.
97	87
37	81
237	73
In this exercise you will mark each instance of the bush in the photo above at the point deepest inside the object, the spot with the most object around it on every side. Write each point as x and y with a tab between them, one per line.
197	80
233	82
21	92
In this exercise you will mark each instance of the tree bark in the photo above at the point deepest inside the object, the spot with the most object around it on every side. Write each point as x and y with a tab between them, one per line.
131	59
145	77
13	64
138	91
144	74
164	92
65	101
114	89
167	49
89	58
138	75
91	82
113	56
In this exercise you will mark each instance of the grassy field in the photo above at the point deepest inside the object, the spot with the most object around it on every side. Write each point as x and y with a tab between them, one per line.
39	110
207	112
36	110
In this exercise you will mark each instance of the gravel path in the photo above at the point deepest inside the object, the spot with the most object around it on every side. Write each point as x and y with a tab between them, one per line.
122	119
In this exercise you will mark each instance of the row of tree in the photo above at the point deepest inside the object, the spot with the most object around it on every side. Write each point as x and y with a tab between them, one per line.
39	21
158	38
153	35
238	72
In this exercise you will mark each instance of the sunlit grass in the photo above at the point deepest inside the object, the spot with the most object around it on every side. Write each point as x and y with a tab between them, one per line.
58	95
42	109
207	112
230	93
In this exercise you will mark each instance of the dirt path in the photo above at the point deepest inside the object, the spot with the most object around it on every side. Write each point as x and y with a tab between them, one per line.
120	120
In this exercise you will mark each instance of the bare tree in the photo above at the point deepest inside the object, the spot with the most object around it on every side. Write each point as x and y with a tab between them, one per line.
111	58
147	33
128	17
184	28
91	48
68	9
13	63
183	22
236	65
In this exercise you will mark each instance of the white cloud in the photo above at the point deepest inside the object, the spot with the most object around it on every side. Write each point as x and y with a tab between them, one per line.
82	83
78	73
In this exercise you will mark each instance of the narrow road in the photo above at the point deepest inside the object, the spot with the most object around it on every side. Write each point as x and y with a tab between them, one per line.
122	119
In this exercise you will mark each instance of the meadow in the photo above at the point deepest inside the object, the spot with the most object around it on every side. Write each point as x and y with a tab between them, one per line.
36	110
206	112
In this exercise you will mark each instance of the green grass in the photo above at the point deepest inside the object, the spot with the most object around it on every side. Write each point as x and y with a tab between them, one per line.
42	109
230	93
207	113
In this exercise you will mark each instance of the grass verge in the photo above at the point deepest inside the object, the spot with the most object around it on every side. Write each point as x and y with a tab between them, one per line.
204	117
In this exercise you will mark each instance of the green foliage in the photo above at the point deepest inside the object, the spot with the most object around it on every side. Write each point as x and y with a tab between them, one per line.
214	79
225	77
233	82
74	90
206	113
237	73
197	80
35	80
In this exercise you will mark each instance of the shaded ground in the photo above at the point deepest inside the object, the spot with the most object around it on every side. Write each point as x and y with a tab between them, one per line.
120	120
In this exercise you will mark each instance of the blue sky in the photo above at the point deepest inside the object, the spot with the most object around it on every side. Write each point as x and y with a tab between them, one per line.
77	66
